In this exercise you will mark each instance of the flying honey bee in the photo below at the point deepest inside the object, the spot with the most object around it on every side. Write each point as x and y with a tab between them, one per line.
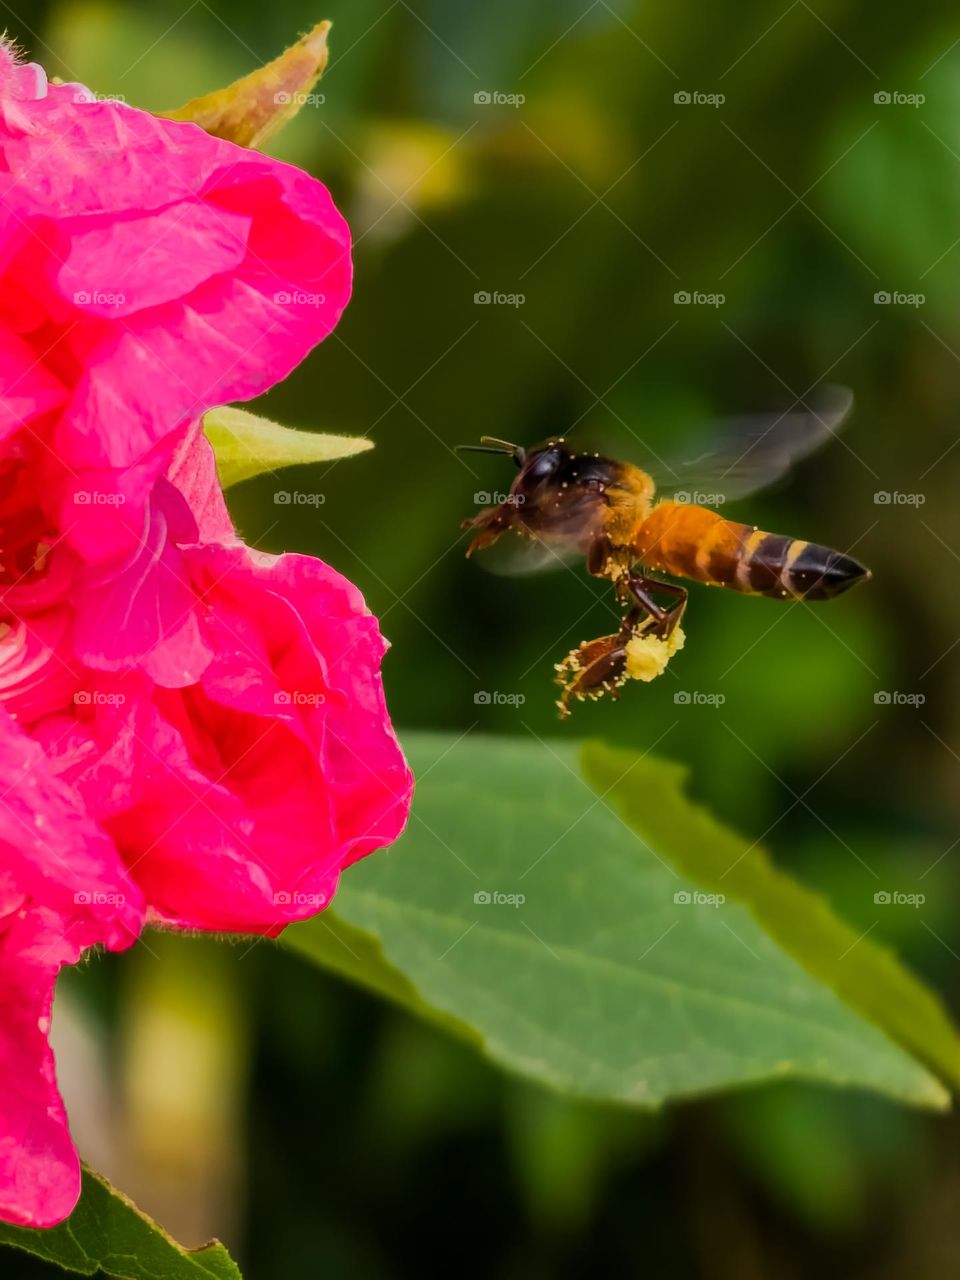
582	504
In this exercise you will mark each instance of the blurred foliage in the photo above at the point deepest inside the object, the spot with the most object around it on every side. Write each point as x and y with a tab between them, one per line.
374	1144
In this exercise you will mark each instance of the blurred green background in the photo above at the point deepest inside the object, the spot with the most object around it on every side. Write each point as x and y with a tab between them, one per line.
318	1132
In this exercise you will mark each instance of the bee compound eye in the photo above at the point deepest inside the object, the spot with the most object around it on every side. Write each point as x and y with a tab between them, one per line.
542	464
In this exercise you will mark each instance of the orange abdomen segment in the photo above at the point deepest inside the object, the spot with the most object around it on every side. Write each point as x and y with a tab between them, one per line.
692	542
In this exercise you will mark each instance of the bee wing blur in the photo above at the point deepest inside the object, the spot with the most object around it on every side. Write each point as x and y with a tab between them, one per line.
742	455
514	557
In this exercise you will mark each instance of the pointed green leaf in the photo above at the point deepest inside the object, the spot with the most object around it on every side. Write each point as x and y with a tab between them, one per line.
108	1235
247	445
609	980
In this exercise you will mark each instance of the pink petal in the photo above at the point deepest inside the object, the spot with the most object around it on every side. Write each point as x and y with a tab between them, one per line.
193	472
39	1167
56	853
27	389
122	267
144	614
219	315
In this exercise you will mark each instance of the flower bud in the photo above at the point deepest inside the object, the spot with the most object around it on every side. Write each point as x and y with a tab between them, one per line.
253	108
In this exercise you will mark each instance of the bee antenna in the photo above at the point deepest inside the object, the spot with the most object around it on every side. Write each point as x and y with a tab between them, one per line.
490	444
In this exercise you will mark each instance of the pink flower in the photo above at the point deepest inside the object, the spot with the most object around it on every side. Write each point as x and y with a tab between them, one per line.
191	732
237	800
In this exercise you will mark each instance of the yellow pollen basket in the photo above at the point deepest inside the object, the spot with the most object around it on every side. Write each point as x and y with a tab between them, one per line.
648	655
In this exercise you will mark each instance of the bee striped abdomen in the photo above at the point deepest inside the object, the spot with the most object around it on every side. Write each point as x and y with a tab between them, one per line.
692	542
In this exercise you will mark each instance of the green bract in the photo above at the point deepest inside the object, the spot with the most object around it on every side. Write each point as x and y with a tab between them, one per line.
247	445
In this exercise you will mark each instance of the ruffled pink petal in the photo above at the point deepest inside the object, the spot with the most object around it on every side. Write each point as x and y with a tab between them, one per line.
323	648
223	842
28	81
144	614
20	79
193	472
249	267
117	269
38	675
56	853
252	789
39	1167
27	389
62	889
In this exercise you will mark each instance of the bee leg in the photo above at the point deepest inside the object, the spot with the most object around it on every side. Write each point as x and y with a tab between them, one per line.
665	620
673	614
590	671
598	666
598	556
491	522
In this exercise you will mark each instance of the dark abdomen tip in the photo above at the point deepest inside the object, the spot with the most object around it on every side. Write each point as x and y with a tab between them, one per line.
819	573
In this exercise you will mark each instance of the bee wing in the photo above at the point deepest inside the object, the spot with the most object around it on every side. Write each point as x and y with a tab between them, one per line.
521	557
742	455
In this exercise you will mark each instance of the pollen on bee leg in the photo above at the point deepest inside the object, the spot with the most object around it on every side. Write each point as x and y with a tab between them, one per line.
648	654
593	669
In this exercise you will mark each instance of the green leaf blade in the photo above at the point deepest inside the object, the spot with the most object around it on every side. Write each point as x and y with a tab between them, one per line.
108	1235
599	984
864	974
